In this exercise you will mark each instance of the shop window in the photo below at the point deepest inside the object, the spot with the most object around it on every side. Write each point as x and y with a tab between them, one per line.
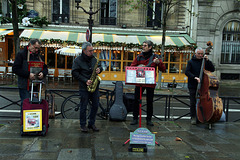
128	55
174	68
42	52
110	57
126	64
186	57
116	61
104	57
10	49
50	57
60	61
183	69
70	62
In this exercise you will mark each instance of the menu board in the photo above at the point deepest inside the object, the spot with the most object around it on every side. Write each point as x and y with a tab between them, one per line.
35	67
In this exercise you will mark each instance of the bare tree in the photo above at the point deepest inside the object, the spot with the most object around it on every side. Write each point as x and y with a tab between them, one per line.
166	10
15	26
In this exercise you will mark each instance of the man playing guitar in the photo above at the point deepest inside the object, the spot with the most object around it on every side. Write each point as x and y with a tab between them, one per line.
146	59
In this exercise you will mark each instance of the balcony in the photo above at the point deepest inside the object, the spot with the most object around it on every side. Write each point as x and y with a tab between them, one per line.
60	18
108	21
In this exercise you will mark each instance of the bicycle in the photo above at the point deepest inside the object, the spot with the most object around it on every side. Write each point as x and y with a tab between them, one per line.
71	105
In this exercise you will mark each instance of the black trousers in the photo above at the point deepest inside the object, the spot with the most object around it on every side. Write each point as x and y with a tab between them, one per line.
150	95
192	102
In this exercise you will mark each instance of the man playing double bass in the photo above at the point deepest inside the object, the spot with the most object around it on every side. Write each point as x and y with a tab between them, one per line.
192	72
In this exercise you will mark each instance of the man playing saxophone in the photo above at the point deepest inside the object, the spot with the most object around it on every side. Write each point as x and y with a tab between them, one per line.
85	69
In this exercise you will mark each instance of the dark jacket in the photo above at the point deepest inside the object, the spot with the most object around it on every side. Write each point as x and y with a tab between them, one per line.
193	70
141	59
20	67
82	69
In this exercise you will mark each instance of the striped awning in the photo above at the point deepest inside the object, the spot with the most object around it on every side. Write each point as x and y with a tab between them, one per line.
172	40
4	32
69	51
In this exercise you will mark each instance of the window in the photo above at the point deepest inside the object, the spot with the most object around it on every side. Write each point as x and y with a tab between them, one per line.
108	12
154	13
176	62
60	11
50	57
230	53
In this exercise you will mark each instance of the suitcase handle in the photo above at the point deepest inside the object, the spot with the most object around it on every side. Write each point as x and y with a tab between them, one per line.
39	92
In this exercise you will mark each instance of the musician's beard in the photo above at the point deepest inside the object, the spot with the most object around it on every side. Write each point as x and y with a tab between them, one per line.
147	54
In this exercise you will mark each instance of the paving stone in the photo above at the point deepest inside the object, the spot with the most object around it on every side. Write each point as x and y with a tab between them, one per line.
65	141
75	154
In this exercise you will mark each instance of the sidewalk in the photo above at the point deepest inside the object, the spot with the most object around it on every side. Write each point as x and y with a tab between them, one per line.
65	141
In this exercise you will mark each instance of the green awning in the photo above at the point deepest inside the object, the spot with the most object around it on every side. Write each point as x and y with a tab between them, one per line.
171	40
4	32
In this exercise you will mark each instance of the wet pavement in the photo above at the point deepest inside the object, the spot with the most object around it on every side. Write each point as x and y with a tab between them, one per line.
65	141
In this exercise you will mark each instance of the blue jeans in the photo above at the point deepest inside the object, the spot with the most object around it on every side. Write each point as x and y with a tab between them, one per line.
24	93
85	97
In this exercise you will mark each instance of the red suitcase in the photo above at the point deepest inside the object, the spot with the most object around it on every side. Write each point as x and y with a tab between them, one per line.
34	118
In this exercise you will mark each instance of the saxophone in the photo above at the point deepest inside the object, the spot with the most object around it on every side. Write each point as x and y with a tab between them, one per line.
94	78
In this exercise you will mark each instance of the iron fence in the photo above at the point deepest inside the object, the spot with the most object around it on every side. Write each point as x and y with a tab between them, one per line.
171	103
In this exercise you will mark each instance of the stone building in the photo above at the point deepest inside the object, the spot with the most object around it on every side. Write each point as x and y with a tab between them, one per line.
122	27
219	21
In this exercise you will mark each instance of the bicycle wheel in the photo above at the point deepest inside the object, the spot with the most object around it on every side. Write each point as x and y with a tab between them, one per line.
70	107
102	113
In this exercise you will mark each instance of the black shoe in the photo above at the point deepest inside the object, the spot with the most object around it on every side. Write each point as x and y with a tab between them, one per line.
149	123
94	128
84	129
134	122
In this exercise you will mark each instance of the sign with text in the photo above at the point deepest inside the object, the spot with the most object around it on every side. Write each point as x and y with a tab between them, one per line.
140	75
32	120
142	136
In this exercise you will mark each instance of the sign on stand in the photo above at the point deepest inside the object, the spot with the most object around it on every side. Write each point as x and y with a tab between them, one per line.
142	77
142	136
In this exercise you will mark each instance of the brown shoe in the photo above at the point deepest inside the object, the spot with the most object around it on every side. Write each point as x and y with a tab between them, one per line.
84	129
94	128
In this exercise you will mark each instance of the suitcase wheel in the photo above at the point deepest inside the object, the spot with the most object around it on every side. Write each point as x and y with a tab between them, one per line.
21	130
44	130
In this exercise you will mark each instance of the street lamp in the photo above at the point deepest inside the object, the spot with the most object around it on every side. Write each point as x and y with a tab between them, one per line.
90	13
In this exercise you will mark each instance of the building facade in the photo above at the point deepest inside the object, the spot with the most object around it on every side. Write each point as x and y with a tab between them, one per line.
119	28
219	21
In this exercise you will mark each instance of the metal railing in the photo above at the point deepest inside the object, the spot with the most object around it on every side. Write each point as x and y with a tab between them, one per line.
165	100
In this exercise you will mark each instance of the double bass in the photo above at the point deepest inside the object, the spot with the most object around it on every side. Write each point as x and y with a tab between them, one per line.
209	105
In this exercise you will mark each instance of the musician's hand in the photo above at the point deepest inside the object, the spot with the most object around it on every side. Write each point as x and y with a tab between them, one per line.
156	60
89	82
98	70
206	57
32	76
198	79
40	75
